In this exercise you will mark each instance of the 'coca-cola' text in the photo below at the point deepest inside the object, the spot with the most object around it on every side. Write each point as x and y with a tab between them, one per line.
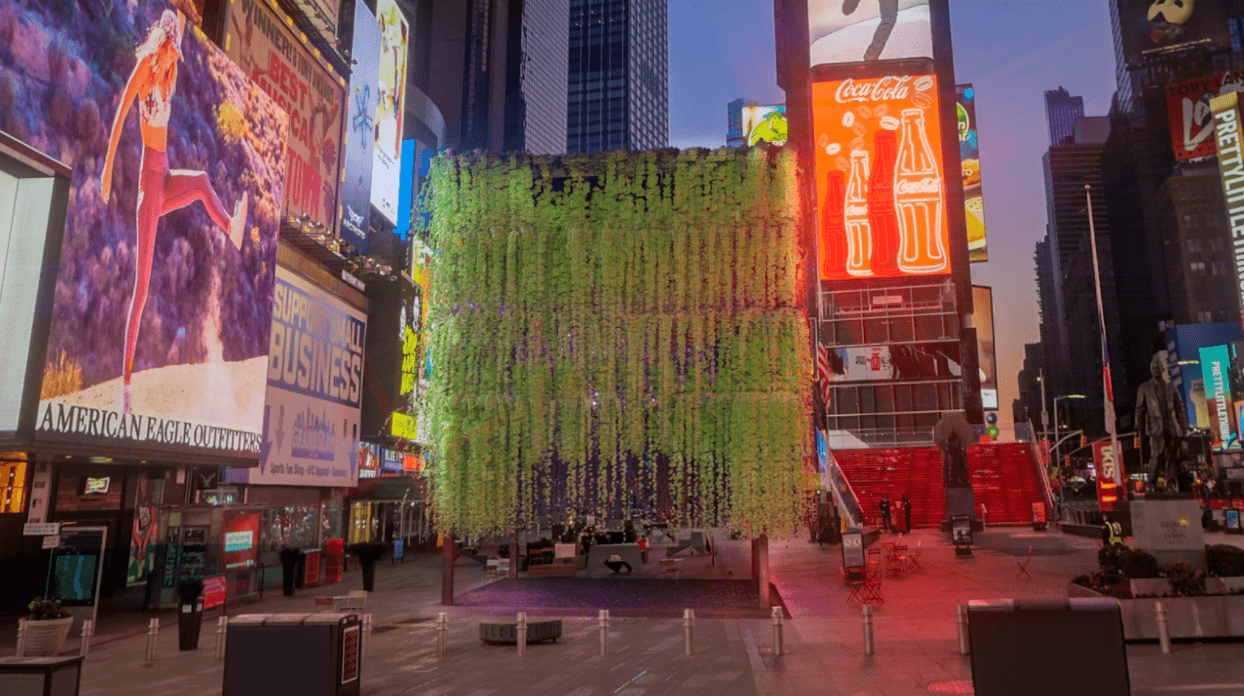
883	89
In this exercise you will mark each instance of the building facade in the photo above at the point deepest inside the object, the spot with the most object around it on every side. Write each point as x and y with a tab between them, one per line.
1061	113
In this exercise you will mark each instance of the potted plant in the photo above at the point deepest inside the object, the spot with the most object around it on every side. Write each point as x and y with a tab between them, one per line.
190	616
289	568
368	554
46	629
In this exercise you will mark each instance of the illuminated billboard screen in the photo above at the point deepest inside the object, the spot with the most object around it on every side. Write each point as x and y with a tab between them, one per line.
262	40
765	124
850	31
982	319
159	331
969	155
1192	117
879	178
387	154
1151	28
904	362
360	129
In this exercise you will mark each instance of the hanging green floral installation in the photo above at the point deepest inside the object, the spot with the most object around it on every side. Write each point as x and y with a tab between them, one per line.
618	333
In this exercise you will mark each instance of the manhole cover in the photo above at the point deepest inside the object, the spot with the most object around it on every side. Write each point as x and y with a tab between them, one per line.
952	687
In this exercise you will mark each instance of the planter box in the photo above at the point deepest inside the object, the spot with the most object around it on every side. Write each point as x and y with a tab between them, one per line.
45	638
1151	586
1211	616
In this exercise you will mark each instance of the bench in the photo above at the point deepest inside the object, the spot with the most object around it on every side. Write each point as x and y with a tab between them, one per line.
506	632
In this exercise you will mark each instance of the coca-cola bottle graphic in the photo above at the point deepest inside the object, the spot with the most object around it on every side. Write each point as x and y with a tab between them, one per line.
859	229
918	199
833	227
881	211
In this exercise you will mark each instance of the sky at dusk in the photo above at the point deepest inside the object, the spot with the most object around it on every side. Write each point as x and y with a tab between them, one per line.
1012	52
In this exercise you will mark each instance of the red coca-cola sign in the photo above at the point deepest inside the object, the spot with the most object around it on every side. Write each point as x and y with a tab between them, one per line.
882	138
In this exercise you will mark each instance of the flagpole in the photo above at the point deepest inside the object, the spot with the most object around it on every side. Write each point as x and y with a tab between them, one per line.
1111	427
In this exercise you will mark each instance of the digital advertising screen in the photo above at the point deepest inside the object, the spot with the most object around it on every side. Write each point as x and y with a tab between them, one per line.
369	460
265	43
387	154
764	124
1192	117
314	387
982	319
970	157
1151	28
879	178
1216	371
72	580
363	98
241	530
159	331
850	31
891	363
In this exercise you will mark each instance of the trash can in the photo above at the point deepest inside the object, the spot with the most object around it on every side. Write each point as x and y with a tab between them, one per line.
304	654
1042	647
60	676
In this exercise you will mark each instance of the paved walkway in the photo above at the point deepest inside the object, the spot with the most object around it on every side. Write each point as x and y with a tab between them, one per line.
916	648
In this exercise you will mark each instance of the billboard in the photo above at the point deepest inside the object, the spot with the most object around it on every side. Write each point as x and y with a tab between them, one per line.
387	154
1107	461
764	124
359	137
849	31
1216	368
880	188
898	362
1226	108
314	379
1150	28
982	320
970	157
241	530
262	40
1192	117
158	334
369	460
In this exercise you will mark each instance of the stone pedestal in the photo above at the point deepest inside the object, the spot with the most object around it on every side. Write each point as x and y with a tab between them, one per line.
1170	529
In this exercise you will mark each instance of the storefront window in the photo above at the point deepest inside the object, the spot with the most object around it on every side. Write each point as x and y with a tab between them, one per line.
330	516
363	522
289	527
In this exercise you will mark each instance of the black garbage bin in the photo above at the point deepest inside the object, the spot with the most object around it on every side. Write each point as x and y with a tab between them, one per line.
1042	647
304	654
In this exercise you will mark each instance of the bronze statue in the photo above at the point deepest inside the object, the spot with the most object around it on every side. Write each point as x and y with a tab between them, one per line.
953	434
1160	418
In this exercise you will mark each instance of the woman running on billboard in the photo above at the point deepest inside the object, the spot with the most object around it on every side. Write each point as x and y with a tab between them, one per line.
160	190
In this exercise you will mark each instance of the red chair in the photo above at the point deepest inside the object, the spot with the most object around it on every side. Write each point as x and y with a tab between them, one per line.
870	590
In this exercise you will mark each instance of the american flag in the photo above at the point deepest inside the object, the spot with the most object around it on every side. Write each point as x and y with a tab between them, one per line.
823	372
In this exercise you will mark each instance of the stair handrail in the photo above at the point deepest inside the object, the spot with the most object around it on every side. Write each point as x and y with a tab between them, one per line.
1034	455
844	495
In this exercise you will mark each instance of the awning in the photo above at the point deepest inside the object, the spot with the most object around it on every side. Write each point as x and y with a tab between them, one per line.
389	489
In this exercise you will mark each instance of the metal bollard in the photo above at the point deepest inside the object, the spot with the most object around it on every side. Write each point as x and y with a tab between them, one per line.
222	634
688	627
962	620
522	633
366	634
776	616
88	630
21	638
153	631
442	634
868	630
1164	631
603	620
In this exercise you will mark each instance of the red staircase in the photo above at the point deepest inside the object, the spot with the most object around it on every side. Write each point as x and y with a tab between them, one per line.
1003	478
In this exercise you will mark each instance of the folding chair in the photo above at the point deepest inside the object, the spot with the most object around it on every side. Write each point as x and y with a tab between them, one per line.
870	590
874	556
897	562
356	600
913	559
1023	566
854	578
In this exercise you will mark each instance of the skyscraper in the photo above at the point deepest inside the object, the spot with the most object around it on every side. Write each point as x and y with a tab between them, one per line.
1061	112
618	76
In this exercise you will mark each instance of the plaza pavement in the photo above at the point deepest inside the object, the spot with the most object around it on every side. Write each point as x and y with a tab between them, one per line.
916	646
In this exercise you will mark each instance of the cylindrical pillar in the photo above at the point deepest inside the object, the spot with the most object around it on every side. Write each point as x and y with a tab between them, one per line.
1164	631
688	627
522	633
153	631
222	632
868	630
442	634
777	630
603	619
88	629
366	634
962	620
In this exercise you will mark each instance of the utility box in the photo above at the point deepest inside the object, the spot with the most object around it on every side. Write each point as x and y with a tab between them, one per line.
41	676
304	654
1042	647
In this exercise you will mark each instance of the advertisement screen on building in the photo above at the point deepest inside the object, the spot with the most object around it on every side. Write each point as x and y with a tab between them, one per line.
1107	462
764	124
1216	372
360	138
901	362
982	319
390	460
1227	133
158	335
1192	117
241	542
314	381
1150	28
262	40
849	31
879	178
387	154
969	155
369	460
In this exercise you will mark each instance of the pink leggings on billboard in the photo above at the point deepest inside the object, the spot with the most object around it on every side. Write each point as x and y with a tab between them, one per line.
160	192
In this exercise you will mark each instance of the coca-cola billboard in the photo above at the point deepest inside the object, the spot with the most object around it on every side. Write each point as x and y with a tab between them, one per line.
850	31
880	178
1152	28
1191	118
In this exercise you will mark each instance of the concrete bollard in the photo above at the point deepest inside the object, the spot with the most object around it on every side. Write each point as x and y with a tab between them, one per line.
88	630
962	620
868	630
1164	631
603	620
688	627
777	630
21	638
153	632
442	634
522	633
222	632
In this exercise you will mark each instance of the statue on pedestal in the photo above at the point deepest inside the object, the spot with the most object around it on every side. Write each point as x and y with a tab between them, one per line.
1160	419
952	435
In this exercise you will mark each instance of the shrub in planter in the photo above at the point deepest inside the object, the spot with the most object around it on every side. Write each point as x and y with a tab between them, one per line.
1137	565
1224	560
368	554
1186	582
190	614
289	569
46	629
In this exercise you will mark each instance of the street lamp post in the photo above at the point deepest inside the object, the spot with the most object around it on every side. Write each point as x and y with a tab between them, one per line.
1056	400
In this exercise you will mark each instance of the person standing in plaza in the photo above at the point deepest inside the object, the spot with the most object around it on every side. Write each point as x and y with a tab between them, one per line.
885	506
906	514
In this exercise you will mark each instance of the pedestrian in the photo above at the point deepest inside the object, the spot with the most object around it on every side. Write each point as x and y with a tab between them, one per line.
906	514
885	512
